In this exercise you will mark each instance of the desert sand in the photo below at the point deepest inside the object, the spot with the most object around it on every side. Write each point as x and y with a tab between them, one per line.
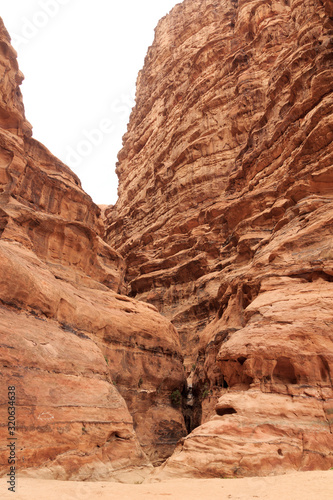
295	486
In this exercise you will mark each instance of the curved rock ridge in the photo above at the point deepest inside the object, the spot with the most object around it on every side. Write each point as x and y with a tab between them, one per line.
72	345
224	219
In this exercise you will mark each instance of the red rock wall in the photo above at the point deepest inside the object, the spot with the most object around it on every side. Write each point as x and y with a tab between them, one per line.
224	220
12	116
69	342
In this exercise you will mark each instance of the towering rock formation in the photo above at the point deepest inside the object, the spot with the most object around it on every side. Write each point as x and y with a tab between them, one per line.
70	343
223	225
224	219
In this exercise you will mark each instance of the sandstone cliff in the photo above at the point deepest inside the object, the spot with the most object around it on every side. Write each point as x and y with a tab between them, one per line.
223	225
70	343
224	219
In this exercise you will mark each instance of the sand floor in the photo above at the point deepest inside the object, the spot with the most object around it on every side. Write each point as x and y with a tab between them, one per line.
296	486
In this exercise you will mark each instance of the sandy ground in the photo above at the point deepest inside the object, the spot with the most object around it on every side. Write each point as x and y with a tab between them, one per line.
296	486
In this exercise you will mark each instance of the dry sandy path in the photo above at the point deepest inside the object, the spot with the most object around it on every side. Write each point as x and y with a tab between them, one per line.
296	486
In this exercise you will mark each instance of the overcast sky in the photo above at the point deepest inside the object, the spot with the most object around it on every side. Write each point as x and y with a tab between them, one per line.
80	59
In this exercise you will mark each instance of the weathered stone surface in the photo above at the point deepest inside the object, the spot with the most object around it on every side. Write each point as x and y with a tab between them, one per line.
69	341
254	434
230	104
223	224
72	422
11	104
224	219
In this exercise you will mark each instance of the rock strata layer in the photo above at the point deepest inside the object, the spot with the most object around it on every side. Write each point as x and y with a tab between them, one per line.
94	370
224	219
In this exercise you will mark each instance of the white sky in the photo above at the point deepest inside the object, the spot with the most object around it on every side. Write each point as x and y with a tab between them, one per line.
80	59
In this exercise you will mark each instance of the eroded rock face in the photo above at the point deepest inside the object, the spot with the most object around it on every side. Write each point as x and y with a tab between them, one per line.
255	434
72	422
70	343
224	220
12	116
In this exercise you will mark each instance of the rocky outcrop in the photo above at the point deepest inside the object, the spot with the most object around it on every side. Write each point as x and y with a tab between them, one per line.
12	116
224	221
72	345
72	422
253	434
223	225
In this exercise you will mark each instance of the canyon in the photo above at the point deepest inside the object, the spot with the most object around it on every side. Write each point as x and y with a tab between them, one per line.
88	363
187	330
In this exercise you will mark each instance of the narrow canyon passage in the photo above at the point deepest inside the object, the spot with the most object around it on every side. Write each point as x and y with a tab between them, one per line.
185	331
